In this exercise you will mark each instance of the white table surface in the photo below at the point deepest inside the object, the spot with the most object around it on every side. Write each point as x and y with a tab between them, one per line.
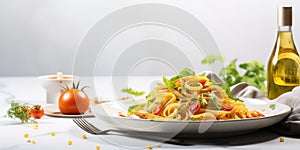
28	89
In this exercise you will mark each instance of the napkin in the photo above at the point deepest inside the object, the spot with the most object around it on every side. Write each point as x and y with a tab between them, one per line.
290	126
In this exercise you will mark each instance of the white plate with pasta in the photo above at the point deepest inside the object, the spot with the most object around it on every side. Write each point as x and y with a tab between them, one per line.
191	103
110	113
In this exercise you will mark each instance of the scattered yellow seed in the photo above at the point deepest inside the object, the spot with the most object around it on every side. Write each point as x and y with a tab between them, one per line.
52	133
26	135
28	141
149	147
157	146
97	147
83	136
281	139
70	142
36	125
33	142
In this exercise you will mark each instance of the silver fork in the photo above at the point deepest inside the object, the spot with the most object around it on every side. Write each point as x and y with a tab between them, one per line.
88	127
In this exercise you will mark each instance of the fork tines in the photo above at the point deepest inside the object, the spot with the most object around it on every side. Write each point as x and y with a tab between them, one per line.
84	125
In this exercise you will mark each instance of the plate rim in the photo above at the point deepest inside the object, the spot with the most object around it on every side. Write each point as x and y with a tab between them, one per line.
288	110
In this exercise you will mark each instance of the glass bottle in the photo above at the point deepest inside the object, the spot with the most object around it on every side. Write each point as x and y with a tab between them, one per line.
284	63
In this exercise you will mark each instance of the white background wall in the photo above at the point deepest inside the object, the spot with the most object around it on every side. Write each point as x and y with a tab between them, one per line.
41	36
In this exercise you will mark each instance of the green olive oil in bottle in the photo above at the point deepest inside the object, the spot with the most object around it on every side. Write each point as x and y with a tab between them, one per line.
284	63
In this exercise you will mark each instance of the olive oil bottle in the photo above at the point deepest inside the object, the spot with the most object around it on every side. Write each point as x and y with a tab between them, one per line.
284	63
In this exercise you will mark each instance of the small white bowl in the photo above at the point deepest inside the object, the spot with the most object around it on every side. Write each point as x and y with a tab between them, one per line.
54	85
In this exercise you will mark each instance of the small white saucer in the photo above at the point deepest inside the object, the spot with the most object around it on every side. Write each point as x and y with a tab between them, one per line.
53	111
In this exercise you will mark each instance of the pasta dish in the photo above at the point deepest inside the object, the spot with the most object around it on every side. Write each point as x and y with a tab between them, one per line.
190	96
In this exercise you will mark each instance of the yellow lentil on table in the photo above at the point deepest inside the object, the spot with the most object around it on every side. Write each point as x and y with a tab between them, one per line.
70	142
26	135
281	139
28	141
149	147
52	133
97	147
83	136
33	142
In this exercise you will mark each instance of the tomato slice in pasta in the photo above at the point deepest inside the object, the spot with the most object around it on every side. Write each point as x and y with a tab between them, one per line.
227	106
157	109
194	107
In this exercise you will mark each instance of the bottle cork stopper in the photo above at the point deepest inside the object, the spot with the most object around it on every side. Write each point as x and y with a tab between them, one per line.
285	16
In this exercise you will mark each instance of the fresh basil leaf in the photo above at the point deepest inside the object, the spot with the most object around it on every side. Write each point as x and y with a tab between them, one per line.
169	84
211	59
130	108
132	92
174	78
237	99
272	106
186	72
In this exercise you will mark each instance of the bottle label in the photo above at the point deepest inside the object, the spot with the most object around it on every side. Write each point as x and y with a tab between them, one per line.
287	70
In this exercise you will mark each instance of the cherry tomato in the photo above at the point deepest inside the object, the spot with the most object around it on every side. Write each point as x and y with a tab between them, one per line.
157	109
202	82
37	111
73	101
227	106
257	114
194	107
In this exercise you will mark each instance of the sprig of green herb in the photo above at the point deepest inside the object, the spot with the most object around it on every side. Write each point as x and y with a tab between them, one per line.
19	111
133	92
272	106
254	73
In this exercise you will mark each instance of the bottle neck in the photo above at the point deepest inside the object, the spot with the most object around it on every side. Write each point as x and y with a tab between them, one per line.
285	37
285	28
